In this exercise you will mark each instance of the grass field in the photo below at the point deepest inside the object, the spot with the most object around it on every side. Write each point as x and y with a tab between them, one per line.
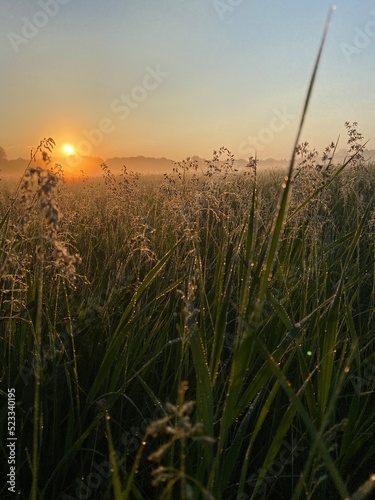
209	334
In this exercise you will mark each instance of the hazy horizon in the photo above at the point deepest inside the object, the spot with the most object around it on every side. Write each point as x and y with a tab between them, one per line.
91	166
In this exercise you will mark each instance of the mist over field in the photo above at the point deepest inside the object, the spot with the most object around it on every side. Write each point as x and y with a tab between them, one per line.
144	165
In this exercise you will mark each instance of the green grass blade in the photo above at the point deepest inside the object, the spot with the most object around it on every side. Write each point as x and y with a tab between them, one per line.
116	483
117	338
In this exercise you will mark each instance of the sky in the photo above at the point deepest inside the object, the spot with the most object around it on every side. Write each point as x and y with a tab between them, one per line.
177	78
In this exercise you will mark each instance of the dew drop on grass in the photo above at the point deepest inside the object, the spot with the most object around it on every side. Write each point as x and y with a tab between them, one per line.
184	385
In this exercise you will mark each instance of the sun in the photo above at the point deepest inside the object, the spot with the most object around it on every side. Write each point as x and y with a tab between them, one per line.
68	149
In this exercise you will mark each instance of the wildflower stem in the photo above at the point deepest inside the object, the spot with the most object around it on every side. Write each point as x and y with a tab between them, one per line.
38	371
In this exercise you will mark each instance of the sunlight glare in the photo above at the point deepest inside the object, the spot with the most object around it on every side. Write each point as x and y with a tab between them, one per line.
68	149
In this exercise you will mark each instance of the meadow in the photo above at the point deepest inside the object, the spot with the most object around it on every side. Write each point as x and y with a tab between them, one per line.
206	334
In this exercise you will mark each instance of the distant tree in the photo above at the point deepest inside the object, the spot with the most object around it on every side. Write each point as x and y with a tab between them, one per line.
3	155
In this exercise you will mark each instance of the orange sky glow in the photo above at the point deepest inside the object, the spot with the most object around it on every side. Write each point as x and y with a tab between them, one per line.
136	78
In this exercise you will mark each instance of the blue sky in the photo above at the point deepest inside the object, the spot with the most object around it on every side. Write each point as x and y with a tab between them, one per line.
177	78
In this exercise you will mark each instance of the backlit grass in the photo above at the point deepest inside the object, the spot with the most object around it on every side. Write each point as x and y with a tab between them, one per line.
121	292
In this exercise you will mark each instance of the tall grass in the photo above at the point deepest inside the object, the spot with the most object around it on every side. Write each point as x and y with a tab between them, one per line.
195	336
168	289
